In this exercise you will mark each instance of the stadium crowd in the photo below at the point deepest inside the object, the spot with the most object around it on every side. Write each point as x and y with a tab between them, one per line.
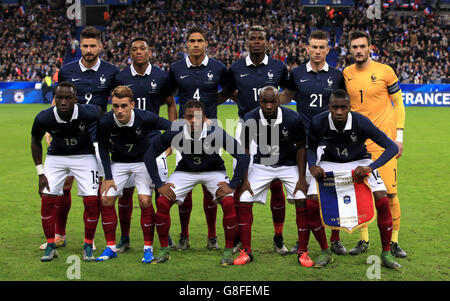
415	46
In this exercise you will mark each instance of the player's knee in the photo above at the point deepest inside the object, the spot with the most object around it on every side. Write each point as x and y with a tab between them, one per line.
378	195
313	197
108	201
145	201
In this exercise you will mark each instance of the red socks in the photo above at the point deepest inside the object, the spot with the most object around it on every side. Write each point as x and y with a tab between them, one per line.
48	217
148	224
302	228
63	204
230	222
315	223
163	220
245	219
125	211
184	211
384	220
277	206
109	223
210	209
90	217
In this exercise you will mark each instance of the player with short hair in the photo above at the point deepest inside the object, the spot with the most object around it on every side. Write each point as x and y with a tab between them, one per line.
249	75
125	133
279	135
375	92
198	77
201	163
151	88
73	128
311	86
344	135
94	80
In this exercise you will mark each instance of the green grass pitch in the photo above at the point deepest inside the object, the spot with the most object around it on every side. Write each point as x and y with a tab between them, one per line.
423	192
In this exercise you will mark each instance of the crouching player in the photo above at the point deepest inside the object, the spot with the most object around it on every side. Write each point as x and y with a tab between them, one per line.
199	145
125	133
73	128
344	134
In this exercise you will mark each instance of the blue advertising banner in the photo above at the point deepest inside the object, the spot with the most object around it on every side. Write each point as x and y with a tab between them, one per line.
430	95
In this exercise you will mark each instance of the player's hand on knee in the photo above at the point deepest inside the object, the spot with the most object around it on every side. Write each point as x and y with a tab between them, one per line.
317	172
360	173
43	183
302	186
106	185
245	186
223	190
169	151
167	192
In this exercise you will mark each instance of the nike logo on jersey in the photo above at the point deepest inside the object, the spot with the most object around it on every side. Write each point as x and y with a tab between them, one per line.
128	85
113	135
183	76
244	75
304	80
75	79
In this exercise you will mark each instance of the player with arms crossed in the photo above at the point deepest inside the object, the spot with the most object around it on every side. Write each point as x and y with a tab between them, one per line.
311	86
94	80
198	77
344	134
201	163
125	133
73	128
375	92
151	89
281	154
249	75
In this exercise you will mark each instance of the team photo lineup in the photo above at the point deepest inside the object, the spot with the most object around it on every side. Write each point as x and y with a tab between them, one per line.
317	140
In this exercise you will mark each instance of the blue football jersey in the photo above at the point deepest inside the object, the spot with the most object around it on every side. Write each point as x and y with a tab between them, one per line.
68	138
314	89
273	151
93	85
149	90
200	83
248	79
349	144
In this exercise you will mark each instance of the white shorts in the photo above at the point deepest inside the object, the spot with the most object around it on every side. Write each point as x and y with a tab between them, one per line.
163	171
123	171
82	167
261	176
185	181
375	182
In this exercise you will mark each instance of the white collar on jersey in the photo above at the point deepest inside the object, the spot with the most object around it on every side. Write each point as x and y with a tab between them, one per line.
324	68
147	71
95	67
74	114
187	133
129	123
248	61
204	62
348	125
279	119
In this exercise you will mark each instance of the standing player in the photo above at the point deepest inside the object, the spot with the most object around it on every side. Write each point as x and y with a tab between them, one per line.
125	133
198	77
344	134
73	128
249	75
201	163
311	86
375	92
151	89
280	154
94	80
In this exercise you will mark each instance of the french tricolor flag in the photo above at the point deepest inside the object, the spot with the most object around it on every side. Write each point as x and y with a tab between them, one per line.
22	10
345	204
427	11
